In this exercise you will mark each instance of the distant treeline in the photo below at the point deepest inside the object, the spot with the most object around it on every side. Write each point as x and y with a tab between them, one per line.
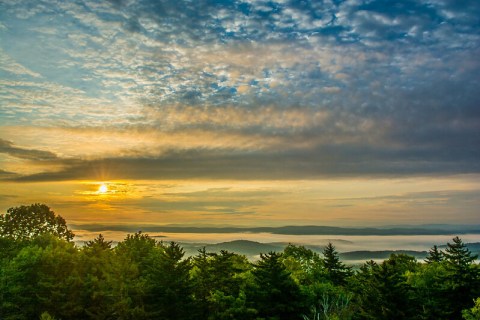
44	275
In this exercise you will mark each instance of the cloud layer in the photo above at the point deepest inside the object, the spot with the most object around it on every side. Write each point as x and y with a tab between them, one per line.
239	89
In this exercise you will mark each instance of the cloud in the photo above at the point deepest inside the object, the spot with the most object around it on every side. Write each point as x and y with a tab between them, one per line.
322	162
10	65
278	89
23	153
6	174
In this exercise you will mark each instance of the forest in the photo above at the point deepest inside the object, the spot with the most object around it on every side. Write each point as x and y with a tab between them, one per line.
44	275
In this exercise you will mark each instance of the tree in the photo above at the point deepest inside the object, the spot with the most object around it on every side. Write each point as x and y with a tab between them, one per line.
43	276
305	265
138	248
463	276
382	291
428	283
132	268
274	294
98	261
219	283
473	313
334	304
458	256
434	255
337	272
170	287
98	244
28	222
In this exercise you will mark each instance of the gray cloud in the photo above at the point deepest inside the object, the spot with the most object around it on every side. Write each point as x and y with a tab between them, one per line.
325	161
23	153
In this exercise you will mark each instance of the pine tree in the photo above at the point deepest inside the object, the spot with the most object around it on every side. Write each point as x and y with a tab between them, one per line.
337	272
434	255
275	294
458	256
170	286
463	277
99	243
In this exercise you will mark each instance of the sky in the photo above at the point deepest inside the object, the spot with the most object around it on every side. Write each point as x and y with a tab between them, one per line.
244	113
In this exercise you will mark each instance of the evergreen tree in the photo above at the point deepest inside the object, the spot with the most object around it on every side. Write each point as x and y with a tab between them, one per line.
428	284
275	295
457	256
219	285
202	279
337	272
434	255
99	244
97	267
131	267
463	277
170	286
382	291
137	247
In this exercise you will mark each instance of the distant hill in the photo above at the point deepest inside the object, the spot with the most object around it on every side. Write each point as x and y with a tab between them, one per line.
384	254
294	230
252	249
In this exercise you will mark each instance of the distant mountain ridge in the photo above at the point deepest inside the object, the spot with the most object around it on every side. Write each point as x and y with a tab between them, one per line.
293	230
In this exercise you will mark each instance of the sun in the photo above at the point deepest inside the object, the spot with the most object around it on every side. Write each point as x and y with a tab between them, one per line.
103	188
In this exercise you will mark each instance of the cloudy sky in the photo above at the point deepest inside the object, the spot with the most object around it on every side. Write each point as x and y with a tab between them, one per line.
245	112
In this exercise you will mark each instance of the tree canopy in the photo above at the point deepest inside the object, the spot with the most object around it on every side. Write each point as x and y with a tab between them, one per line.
50	277
27	222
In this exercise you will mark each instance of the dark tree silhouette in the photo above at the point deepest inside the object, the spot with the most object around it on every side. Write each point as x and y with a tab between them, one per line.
434	255
28	222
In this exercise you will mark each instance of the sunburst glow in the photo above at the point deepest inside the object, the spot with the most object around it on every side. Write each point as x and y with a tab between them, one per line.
103	188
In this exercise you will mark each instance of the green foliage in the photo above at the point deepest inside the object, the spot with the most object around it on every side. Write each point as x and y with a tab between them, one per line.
138	248
28	222
382	291
219	281
428	283
462	281
434	255
457	256
42	277
45	276
169	287
275	295
230	307
305	266
337	272
332	303
46	316
473	313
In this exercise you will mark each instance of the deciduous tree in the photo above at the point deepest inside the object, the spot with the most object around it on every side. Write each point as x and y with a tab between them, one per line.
28	222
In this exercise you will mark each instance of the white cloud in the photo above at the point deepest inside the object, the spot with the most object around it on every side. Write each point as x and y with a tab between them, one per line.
10	65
